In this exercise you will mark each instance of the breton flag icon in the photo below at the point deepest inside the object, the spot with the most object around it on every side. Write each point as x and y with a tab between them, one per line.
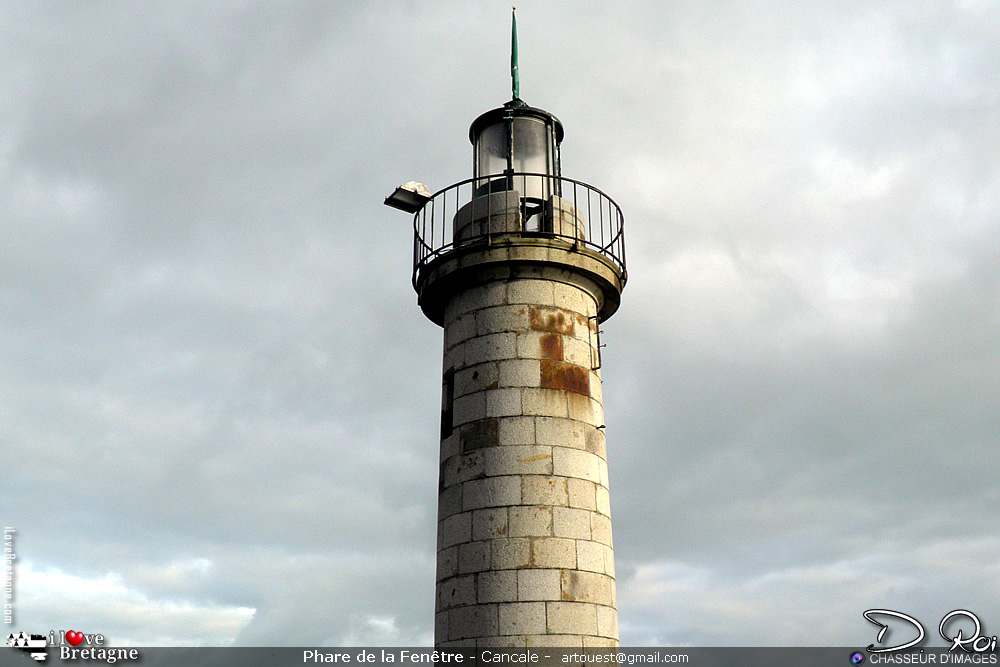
33	644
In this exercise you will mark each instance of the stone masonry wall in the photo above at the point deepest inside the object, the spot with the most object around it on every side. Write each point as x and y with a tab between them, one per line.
524	528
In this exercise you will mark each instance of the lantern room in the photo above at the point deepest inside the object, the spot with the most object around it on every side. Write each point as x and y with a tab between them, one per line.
516	138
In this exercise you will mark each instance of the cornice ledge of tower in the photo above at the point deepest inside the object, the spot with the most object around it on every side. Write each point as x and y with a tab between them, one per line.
511	256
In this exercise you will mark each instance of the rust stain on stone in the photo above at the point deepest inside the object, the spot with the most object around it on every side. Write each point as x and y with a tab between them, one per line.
560	375
552	346
500	528
531	553
531	459
569	584
554	320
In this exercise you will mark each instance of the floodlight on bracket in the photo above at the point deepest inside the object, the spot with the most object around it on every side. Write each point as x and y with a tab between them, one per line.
409	197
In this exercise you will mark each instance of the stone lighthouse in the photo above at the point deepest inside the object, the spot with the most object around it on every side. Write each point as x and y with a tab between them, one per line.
520	266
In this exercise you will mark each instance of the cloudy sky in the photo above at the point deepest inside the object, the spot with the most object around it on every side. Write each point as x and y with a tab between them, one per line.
219	400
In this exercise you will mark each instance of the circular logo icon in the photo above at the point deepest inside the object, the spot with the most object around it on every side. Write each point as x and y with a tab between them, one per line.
857	658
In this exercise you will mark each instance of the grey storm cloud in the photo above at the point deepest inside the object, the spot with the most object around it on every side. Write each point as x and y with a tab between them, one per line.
222	399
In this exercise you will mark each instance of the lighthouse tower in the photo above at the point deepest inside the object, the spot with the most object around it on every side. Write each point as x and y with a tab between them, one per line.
520	266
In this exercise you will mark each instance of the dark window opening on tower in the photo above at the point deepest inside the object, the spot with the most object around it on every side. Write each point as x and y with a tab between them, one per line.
447	403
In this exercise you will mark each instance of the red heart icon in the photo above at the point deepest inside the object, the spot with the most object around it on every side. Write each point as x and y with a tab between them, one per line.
73	637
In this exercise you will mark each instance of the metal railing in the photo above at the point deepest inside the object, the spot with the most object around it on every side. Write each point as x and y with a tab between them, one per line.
478	210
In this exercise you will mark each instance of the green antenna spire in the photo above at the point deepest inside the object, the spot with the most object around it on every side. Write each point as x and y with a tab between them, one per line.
515	79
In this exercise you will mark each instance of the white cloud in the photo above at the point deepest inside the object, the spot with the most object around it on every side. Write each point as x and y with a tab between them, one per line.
124	614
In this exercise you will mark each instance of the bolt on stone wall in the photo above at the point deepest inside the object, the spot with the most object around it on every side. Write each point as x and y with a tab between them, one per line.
525	555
